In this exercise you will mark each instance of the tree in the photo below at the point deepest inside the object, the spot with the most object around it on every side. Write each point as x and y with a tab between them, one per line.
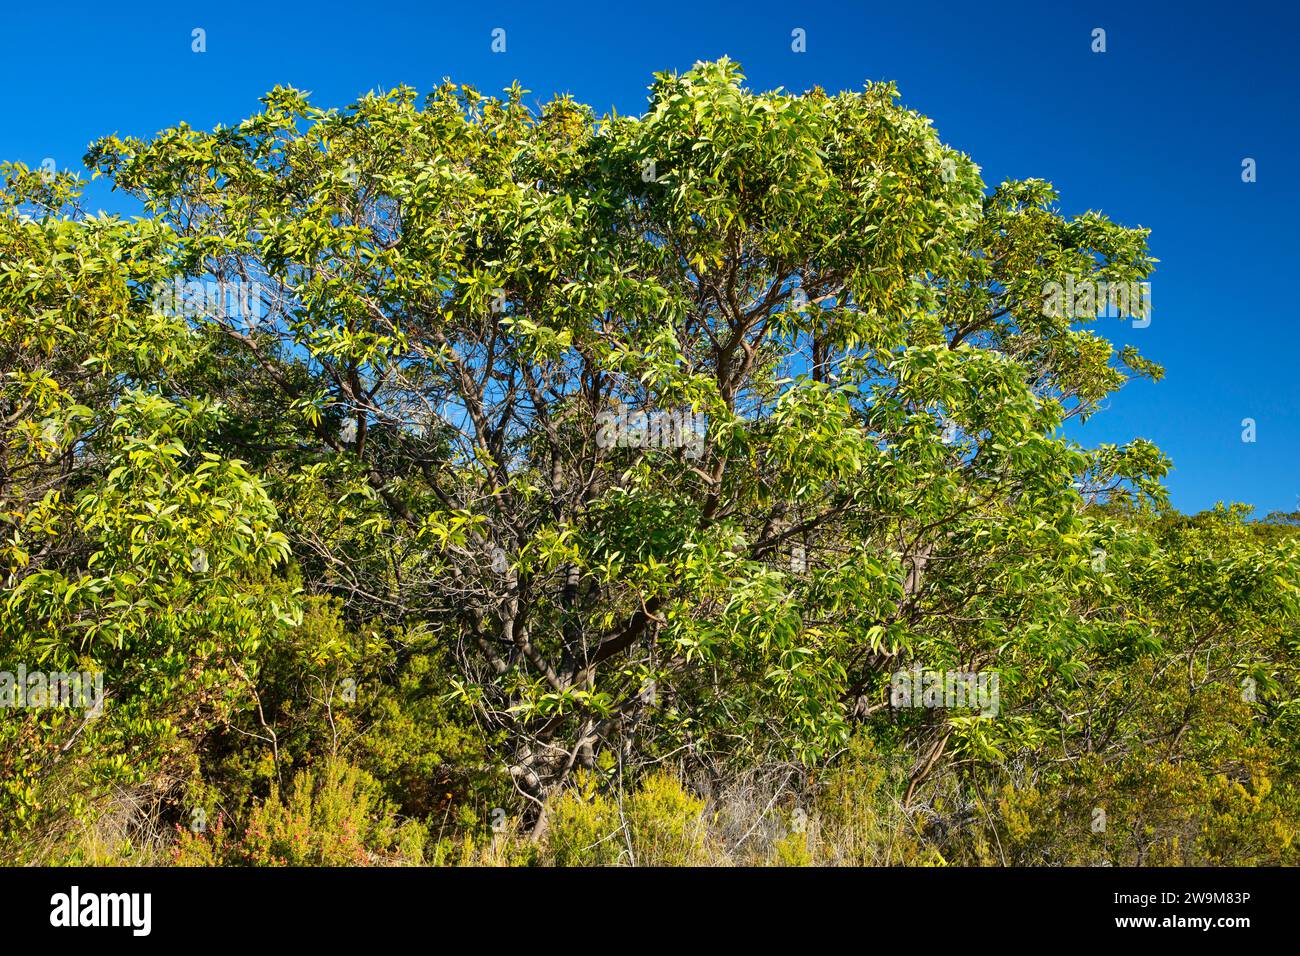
681	432
460	296
130	548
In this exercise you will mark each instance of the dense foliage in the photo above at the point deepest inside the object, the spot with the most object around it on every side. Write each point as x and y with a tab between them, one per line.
562	488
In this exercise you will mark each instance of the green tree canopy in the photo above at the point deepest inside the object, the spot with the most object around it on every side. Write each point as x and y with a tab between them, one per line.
678	433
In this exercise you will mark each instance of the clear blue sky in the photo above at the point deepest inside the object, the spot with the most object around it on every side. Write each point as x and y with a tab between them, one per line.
1152	133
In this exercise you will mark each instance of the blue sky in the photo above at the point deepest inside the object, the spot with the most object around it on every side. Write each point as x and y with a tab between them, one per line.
1152	132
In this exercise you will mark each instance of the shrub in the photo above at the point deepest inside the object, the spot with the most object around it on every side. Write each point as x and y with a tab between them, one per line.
584	827
334	818
666	824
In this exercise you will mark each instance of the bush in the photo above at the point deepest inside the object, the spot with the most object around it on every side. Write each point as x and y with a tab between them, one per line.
584	827
335	818
666	824
660	824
